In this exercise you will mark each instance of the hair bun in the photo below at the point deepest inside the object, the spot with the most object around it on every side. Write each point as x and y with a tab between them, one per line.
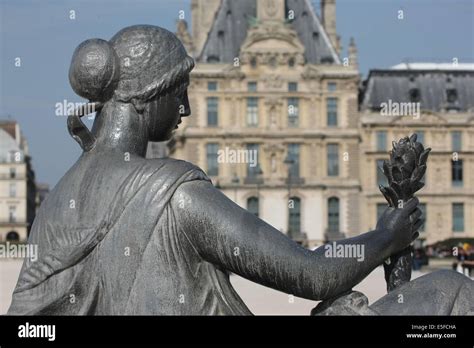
94	72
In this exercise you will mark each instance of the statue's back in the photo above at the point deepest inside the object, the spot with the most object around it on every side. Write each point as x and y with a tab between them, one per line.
109	240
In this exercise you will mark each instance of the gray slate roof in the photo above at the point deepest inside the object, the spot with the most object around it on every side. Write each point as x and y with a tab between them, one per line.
234	17
433	87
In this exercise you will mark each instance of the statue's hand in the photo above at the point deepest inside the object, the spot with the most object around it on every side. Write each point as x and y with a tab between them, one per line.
401	224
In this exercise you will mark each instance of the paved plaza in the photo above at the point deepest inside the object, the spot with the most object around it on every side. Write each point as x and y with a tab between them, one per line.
261	300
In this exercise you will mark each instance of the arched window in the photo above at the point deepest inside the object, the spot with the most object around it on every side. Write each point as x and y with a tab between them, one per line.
252	205
333	214
213	59
13	236
294	216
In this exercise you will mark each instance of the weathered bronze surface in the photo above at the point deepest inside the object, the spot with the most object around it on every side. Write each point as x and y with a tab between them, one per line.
121	234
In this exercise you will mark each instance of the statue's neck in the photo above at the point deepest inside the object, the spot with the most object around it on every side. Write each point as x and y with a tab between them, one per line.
119	128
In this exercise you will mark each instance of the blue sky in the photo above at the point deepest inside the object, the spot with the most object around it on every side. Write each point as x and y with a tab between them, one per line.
44	37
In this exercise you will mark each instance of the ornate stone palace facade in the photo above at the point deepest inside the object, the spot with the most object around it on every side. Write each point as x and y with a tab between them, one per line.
17	185
436	101
270	80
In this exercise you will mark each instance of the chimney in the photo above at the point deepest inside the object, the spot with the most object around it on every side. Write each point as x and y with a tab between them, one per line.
271	10
352	51
328	16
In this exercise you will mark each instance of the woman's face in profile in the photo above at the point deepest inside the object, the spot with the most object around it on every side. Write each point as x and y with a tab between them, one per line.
165	111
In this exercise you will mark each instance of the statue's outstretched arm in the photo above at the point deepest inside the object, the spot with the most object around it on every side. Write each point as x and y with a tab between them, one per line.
227	235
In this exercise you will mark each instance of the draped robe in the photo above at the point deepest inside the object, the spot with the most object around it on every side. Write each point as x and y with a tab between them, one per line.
112	240
118	249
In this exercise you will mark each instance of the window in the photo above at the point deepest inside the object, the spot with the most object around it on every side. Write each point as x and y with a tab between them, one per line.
252	86
252	205
291	62
252	111
252	169
293	112
12	189
294	214
292	87
294	156
415	95
212	86
212	111
12	172
333	214
458	217
451	95
456	173
456	141
12	213
381	141
333	159
213	59
332	86
422	207
212	162
13	236
420	137
331	106
253	62
381	178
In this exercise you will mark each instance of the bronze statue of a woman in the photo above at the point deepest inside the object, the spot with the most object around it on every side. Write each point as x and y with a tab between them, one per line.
121	234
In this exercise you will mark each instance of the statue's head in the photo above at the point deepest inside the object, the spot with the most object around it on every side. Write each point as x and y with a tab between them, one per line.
145	66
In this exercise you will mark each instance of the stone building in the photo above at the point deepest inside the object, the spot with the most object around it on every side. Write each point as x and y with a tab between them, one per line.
270	81
42	191
436	101
157	150
17	184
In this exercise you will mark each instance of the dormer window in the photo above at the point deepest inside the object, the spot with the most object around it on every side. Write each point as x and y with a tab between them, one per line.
415	95
451	95
327	60
213	59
